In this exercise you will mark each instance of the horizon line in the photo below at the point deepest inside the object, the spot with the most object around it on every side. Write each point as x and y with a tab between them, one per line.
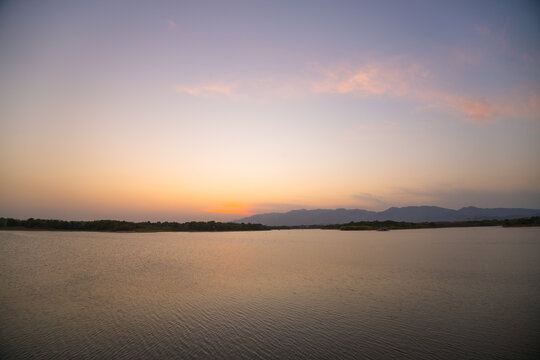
265	213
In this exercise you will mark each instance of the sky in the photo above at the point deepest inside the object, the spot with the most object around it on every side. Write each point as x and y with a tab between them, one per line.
215	110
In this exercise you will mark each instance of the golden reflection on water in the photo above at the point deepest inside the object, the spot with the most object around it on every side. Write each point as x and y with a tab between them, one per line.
272	294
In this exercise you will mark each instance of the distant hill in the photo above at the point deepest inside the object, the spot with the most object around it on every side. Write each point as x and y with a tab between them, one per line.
409	214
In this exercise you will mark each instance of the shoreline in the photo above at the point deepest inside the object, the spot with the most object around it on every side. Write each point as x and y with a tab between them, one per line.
115	226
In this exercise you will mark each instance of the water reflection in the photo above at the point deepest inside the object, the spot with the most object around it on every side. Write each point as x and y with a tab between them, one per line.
441	293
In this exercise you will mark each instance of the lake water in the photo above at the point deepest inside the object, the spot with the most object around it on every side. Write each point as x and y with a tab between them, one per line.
468	293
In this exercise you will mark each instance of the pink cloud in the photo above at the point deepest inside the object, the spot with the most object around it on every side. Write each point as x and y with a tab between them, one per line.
396	77
399	78
475	110
375	78
171	24
517	104
208	90
258	90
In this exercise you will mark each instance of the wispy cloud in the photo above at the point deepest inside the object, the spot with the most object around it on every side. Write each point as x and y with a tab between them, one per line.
399	79
460	197
209	90
414	81
373	78
370	201
171	25
259	90
473	109
447	196
396	77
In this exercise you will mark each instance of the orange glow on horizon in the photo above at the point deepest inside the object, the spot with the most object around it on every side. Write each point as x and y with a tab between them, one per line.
231	208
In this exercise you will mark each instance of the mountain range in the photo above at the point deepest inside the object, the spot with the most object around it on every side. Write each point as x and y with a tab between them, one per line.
409	214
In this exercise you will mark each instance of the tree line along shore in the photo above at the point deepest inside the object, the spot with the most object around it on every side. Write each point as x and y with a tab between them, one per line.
213	226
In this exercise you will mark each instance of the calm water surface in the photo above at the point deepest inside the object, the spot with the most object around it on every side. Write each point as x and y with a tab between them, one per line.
470	293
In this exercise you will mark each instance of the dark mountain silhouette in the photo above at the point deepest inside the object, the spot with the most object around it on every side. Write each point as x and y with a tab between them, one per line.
409	214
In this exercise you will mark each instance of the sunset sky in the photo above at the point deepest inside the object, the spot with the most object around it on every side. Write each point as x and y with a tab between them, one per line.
214	110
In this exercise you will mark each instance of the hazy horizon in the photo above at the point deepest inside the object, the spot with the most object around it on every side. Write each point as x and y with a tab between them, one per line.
210	217
179	111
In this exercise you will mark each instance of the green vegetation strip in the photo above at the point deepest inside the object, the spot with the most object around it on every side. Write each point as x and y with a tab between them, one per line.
126	226
398	225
